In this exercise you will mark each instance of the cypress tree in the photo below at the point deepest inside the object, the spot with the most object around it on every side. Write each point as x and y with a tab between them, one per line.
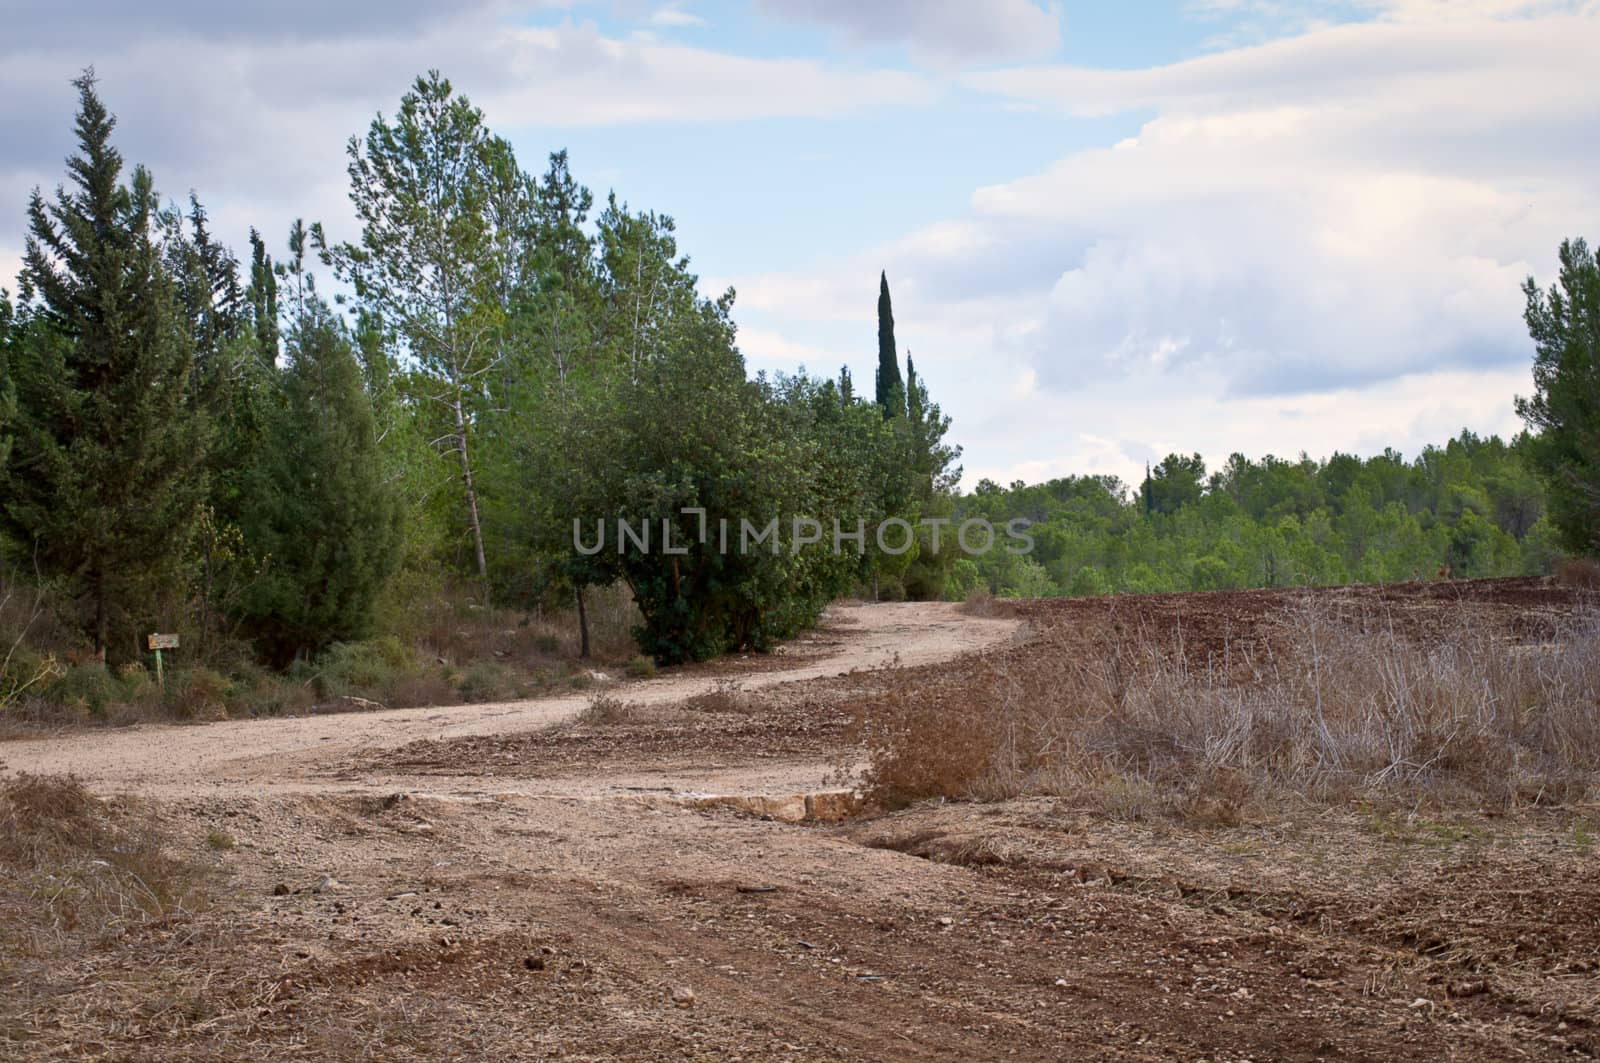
106	470
891	394
322	521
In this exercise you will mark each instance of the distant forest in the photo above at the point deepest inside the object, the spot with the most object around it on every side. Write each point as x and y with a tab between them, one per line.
1473	507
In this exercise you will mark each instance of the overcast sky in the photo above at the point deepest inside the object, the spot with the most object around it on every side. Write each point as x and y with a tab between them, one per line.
1112	230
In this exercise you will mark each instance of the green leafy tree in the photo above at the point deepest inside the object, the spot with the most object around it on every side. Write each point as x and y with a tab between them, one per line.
431	263
322	522
1564	410
106	473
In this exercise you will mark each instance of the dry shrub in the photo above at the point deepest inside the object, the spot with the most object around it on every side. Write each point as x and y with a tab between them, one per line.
75	869
1331	708
1580	572
980	602
609	710
727	698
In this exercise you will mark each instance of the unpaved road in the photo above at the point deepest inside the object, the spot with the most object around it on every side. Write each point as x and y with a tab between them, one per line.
507	892
284	755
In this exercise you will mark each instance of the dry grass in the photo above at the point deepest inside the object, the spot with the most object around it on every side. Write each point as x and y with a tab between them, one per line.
1329	709
75	869
1580	572
979	602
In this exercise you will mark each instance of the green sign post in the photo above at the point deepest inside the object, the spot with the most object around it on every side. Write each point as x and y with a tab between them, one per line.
159	643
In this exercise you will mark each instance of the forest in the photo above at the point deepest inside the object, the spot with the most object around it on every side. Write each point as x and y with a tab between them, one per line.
288	456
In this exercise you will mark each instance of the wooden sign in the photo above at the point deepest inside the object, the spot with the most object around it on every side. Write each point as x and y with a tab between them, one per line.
163	642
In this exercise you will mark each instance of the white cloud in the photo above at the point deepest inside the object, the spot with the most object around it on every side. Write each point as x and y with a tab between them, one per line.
935	31
257	122
765	349
674	16
573	75
10	267
1314	243
1356	204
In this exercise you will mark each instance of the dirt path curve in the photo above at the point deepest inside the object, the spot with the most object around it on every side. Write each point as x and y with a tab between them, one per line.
281	755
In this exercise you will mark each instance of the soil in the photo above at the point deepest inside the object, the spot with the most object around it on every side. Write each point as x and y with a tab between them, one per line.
513	882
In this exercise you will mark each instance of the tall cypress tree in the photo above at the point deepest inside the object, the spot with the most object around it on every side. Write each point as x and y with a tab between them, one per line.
106	469
891	393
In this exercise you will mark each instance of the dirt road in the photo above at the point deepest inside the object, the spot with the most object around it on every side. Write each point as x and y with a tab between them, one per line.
286	755
465	883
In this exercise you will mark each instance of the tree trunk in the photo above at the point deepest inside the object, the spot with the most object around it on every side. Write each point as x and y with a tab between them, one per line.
102	619
472	497
583	627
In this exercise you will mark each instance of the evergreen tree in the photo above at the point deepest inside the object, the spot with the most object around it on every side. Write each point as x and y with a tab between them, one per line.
261	295
106	471
891	394
1564	411
8	392
322	522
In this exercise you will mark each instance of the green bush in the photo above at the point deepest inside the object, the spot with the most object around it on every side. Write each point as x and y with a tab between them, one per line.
486	681
86	687
363	668
642	667
198	694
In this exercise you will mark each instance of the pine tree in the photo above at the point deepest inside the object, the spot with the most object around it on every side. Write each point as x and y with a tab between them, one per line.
322	522
1564	411
261	295
8	392
891	395
107	466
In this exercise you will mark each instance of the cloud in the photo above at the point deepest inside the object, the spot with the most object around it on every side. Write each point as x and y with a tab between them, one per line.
1356	204
935	31
256	118
1319	240
10	267
673	15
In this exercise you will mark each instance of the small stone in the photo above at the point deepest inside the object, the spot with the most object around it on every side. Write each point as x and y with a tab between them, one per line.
683	997
326	883
945	920
280	890
534	963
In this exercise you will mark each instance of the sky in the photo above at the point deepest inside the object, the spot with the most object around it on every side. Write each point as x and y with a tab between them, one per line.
1112	231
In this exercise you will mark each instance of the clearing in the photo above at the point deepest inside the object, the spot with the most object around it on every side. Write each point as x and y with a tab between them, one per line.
471	883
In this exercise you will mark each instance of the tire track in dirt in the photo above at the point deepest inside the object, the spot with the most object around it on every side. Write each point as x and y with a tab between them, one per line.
286	755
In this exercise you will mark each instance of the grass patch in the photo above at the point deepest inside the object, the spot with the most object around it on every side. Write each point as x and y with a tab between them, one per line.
75	869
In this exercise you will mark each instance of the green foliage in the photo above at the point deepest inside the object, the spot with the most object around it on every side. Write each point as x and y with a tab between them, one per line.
372	665
891	391
8	391
1471	508
1564	410
106	471
322	521
442	209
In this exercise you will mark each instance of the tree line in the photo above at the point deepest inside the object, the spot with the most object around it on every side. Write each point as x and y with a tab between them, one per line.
190	439
199	439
